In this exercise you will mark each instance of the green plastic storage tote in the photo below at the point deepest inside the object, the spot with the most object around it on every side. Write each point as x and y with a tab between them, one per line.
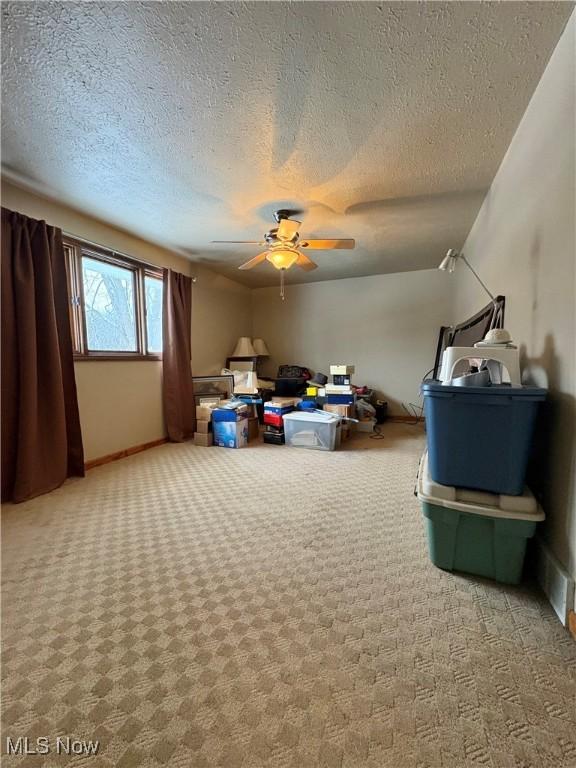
474	531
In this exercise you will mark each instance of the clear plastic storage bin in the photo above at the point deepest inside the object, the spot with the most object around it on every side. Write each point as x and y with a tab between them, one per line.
319	430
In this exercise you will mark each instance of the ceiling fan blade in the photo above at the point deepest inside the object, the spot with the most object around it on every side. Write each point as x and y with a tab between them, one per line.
326	244
253	262
305	263
247	242
287	228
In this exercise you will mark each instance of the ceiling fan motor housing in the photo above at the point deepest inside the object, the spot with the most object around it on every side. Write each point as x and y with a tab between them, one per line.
285	213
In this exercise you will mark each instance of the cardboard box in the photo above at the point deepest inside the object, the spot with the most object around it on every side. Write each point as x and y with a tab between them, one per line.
338	389
229	414
253	429
366	426
274	412
274	439
203	426
278	407
287	401
204	412
274	419
346	411
203	438
231	434
340	399
283	404
274	430
342	370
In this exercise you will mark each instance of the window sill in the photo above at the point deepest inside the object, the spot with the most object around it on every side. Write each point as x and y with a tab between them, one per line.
120	357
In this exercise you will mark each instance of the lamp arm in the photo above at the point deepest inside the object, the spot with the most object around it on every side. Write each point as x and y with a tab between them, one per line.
476	275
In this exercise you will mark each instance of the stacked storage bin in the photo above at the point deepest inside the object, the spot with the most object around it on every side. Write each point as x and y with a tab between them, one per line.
474	531
479	441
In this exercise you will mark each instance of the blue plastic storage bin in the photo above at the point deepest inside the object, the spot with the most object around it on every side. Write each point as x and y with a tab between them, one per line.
480	437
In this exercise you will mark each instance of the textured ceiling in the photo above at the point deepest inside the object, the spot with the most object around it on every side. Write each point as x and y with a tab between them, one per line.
188	122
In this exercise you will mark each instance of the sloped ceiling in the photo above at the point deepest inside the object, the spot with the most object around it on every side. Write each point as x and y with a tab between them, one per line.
186	122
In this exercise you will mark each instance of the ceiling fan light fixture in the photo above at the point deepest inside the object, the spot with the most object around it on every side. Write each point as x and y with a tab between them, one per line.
283	244
282	258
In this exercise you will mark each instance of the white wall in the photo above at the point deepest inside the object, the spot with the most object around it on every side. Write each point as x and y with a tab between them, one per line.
523	245
121	402
386	325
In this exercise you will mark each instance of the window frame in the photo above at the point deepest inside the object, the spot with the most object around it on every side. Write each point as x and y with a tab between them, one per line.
74	250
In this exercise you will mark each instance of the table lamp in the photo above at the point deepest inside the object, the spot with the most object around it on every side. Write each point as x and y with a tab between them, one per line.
260	348
244	348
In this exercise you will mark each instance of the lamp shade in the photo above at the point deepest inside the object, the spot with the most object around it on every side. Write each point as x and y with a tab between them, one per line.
448	263
260	348
282	258
244	348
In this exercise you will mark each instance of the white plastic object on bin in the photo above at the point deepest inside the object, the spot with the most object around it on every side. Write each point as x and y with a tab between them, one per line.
478	379
496	356
317	430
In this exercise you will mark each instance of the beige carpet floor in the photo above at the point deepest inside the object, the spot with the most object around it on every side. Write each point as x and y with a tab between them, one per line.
269	606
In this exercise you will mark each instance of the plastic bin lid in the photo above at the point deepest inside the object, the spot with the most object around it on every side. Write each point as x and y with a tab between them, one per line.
500	390
324	417
524	507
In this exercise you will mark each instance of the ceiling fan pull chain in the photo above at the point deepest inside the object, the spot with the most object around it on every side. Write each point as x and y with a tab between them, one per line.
282	284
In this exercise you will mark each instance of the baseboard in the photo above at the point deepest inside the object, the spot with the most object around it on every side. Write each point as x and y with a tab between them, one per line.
406	419
556	583
123	454
572	623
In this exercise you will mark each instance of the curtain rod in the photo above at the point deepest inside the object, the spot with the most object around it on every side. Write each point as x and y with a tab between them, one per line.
112	250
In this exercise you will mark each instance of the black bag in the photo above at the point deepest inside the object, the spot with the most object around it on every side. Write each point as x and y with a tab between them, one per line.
293	372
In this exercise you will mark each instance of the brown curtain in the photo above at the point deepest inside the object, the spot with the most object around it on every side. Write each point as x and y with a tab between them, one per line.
179	410
41	437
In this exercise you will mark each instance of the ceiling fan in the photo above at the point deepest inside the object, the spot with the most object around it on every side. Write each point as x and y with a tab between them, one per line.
283	246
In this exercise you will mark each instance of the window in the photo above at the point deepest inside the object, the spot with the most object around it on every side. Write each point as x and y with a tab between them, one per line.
153	291
109	306
116	304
